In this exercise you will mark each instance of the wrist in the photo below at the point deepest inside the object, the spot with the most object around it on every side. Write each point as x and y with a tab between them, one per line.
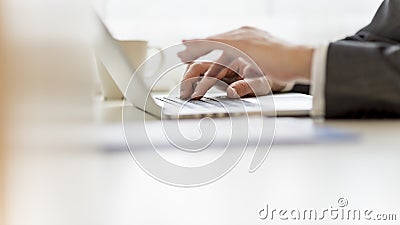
301	57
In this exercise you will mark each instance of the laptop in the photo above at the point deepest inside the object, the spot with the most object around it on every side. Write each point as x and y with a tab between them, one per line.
170	106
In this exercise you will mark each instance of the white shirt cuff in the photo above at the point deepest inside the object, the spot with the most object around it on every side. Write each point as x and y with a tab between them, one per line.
288	86
318	73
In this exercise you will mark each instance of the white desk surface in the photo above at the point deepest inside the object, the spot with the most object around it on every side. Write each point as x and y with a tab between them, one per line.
60	180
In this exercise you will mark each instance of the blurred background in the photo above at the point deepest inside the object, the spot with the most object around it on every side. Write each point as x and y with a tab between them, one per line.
306	21
167	22
51	170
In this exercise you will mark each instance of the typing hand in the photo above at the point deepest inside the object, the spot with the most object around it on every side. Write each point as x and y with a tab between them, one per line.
239	75
277	63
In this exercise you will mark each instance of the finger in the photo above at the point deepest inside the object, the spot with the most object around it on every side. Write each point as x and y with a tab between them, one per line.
203	86
238	89
238	66
211	77
233	72
228	76
252	87
193	71
258	82
253	84
223	62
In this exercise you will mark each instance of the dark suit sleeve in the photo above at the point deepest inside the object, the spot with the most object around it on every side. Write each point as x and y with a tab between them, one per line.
363	71
301	88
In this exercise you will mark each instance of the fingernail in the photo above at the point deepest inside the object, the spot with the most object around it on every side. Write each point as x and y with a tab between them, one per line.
232	93
196	96
182	95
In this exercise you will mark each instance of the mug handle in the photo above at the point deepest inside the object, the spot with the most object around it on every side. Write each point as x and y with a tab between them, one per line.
153	75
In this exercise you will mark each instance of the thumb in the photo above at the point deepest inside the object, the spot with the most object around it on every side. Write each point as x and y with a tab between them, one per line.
238	89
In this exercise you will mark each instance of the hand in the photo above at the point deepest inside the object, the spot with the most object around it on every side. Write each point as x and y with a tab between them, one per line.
241	78
279	61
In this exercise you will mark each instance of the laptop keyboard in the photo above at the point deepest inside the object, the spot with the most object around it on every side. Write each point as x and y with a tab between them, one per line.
219	102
